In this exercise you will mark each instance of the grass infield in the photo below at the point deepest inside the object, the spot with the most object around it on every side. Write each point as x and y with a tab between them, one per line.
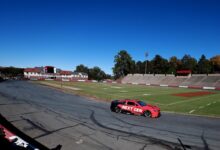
164	97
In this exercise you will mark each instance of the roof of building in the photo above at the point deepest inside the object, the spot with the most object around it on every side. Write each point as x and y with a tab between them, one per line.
31	70
63	72
80	73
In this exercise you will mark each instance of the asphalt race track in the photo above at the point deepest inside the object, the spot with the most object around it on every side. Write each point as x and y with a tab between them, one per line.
53	117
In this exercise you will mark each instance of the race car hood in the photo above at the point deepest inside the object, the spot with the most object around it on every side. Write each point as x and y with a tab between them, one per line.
149	106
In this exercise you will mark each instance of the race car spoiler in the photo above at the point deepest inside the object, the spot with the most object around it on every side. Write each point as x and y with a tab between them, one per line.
12	138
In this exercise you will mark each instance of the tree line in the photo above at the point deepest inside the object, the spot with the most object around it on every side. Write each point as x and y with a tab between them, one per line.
94	73
124	64
11	72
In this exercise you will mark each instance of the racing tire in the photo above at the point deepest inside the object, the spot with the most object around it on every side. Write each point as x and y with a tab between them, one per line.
147	114
117	110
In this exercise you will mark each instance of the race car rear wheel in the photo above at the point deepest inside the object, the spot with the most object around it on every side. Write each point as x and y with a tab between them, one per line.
147	114
117	110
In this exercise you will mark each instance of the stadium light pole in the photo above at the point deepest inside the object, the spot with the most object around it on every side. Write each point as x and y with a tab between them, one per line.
146	55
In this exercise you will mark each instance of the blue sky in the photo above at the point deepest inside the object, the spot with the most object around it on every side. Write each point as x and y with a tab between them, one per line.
65	33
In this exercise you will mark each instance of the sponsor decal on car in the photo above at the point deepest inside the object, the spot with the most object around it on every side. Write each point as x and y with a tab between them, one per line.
132	109
11	137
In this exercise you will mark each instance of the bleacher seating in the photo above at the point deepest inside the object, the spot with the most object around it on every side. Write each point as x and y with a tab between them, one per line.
199	80
217	84
193	80
209	81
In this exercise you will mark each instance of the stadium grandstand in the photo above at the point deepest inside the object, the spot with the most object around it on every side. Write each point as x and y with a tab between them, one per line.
203	81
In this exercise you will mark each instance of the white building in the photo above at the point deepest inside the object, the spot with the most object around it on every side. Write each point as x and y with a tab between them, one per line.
50	73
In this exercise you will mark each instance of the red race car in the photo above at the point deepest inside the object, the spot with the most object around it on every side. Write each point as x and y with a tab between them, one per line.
135	107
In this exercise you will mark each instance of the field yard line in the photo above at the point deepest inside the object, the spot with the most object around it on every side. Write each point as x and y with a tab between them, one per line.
57	85
187	114
208	104
186	101
106	94
121	96
192	111
201	107
160	104
110	94
149	92
162	92
62	86
51	84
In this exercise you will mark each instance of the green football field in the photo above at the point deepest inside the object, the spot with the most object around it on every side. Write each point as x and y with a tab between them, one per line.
208	105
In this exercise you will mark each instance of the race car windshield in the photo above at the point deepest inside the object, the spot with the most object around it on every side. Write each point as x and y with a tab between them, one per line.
142	103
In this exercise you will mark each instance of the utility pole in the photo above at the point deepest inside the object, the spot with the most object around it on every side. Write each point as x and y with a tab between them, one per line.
146	55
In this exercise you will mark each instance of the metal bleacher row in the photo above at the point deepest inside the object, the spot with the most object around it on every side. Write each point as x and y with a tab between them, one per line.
195	80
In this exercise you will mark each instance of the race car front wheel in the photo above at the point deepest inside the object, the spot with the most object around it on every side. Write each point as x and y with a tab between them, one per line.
117	110
147	114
